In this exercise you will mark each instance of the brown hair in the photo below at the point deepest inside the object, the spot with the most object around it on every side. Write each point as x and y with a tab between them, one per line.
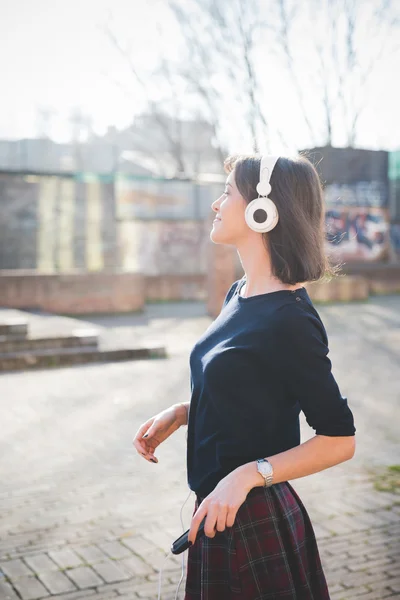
296	244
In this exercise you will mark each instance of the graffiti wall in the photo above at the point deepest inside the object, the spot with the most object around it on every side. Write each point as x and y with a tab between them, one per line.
356	199
357	233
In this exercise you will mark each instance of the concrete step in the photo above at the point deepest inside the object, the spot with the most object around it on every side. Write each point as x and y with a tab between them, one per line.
43	359
13	328
78	339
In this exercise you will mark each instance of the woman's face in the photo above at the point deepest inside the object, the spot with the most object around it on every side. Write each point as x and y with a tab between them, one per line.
229	209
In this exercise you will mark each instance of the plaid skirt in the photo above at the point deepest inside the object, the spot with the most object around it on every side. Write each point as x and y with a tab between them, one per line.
269	553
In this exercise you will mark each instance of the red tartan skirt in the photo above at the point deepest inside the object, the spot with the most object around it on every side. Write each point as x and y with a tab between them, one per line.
269	553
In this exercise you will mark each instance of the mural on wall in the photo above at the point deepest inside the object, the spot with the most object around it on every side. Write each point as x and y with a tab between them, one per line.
357	233
357	227
356	195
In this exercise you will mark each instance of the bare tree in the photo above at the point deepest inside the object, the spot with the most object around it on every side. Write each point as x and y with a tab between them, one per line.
358	69
287	16
228	47
343	65
196	70
347	40
168	125
44	116
222	39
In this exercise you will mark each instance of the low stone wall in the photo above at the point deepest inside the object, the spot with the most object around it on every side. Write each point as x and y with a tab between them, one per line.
345	288
76	293
382	278
175	287
83	293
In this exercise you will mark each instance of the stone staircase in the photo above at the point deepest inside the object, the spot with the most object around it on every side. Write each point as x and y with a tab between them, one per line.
20	351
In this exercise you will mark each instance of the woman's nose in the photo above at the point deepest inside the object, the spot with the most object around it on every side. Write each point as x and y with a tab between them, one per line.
215	203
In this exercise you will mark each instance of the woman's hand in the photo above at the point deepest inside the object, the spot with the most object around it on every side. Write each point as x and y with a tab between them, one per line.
157	429
221	505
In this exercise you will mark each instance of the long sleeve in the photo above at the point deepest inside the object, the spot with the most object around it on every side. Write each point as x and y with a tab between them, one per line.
306	371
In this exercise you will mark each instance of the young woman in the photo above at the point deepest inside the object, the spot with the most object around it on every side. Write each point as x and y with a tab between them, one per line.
261	361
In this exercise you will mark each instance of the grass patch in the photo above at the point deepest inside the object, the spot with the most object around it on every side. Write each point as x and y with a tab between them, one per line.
388	480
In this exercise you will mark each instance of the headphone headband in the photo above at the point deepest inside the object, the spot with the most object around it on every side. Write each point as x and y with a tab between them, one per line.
267	164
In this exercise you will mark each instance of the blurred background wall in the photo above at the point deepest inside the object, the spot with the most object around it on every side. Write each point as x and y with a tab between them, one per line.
117	116
64	222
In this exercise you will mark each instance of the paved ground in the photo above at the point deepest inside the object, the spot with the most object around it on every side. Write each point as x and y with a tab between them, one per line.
83	516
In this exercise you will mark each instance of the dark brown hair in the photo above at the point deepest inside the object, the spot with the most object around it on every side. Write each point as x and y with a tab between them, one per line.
296	244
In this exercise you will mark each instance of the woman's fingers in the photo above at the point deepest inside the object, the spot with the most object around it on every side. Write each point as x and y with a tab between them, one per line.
231	517
221	517
210	511
195	524
149	448
148	455
142	431
140	446
144	447
218	515
146	451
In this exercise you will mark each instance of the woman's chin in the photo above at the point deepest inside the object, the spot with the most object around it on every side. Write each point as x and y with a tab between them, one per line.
217	237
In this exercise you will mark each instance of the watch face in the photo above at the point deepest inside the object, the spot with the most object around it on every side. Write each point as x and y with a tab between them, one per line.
265	468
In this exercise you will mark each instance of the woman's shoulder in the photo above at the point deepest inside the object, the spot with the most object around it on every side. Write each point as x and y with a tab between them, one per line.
298	318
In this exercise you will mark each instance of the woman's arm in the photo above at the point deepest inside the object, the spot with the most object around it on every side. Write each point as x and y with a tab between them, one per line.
222	504
182	412
316	454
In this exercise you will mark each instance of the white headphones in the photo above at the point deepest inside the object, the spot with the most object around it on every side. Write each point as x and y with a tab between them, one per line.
261	214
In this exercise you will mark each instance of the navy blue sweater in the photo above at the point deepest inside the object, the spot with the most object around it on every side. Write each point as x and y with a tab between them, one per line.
259	363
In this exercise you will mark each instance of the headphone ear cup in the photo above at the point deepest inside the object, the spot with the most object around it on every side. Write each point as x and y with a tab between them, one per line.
261	215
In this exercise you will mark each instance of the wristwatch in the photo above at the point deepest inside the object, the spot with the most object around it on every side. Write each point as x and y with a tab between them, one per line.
265	469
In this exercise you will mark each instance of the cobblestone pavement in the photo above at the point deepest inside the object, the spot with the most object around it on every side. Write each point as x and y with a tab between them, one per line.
83	516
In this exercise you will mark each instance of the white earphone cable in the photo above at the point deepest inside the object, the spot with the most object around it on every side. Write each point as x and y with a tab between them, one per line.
169	553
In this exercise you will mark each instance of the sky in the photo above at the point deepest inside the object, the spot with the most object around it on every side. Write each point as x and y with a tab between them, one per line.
55	54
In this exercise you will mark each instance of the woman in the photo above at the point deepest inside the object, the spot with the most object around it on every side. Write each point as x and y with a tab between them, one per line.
261	361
